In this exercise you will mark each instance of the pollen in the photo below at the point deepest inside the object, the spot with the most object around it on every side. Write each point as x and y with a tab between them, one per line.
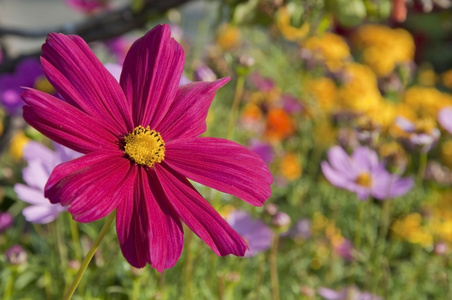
144	146
364	179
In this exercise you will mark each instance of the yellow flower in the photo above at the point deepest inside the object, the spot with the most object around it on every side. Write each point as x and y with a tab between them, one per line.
330	48
291	167
360	91
17	145
228	37
427	76
383	48
323	90
290	32
426	101
411	230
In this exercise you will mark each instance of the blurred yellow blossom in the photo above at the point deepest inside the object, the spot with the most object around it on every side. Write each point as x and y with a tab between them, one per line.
229	37
360	91
410	229
323	90
383	48
291	167
330	48
284	25
426	101
17	145
427	76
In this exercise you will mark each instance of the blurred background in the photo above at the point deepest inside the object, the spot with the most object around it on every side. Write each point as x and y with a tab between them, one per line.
349	103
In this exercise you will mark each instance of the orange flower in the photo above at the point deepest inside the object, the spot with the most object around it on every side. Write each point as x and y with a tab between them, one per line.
278	125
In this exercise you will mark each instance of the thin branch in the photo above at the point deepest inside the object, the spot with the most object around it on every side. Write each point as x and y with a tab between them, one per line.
100	27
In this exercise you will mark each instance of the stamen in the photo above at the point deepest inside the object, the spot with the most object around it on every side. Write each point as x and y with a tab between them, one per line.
144	146
364	179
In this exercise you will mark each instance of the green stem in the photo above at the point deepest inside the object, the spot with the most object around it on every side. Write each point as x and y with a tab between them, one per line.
235	105
274	267
260	275
9	285
188	265
422	166
89	256
62	250
75	238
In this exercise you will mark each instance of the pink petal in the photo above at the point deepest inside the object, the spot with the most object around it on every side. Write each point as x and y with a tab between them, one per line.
336	178
199	216
222	165
186	117
150	75
148	229
83	81
93	185
65	124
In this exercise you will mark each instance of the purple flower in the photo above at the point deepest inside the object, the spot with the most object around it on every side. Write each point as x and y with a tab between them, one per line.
348	293
11	85
88	6
204	73
16	255
6	220
291	104
363	174
263	84
301	230
420	136
41	161
257	235
445	118
141	142
264	150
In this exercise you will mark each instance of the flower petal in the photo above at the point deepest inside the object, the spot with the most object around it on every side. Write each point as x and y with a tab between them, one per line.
83	81
65	124
150	75
341	162
199	216
336	178
29	194
42	214
445	118
93	185
222	165
186	118
148	229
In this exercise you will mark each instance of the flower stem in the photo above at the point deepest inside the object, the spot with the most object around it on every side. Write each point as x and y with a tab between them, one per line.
75	238
421	170
188	265
235	105
89	256
274	267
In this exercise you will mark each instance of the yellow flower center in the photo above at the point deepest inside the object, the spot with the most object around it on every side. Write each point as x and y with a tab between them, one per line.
42	84
364	179
144	146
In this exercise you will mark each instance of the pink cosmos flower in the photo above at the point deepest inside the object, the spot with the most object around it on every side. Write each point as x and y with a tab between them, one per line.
88	6
141	142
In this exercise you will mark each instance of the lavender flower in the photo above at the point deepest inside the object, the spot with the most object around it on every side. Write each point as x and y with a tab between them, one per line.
41	162
445	118
420	136
204	73
363	174
348	293
257	235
